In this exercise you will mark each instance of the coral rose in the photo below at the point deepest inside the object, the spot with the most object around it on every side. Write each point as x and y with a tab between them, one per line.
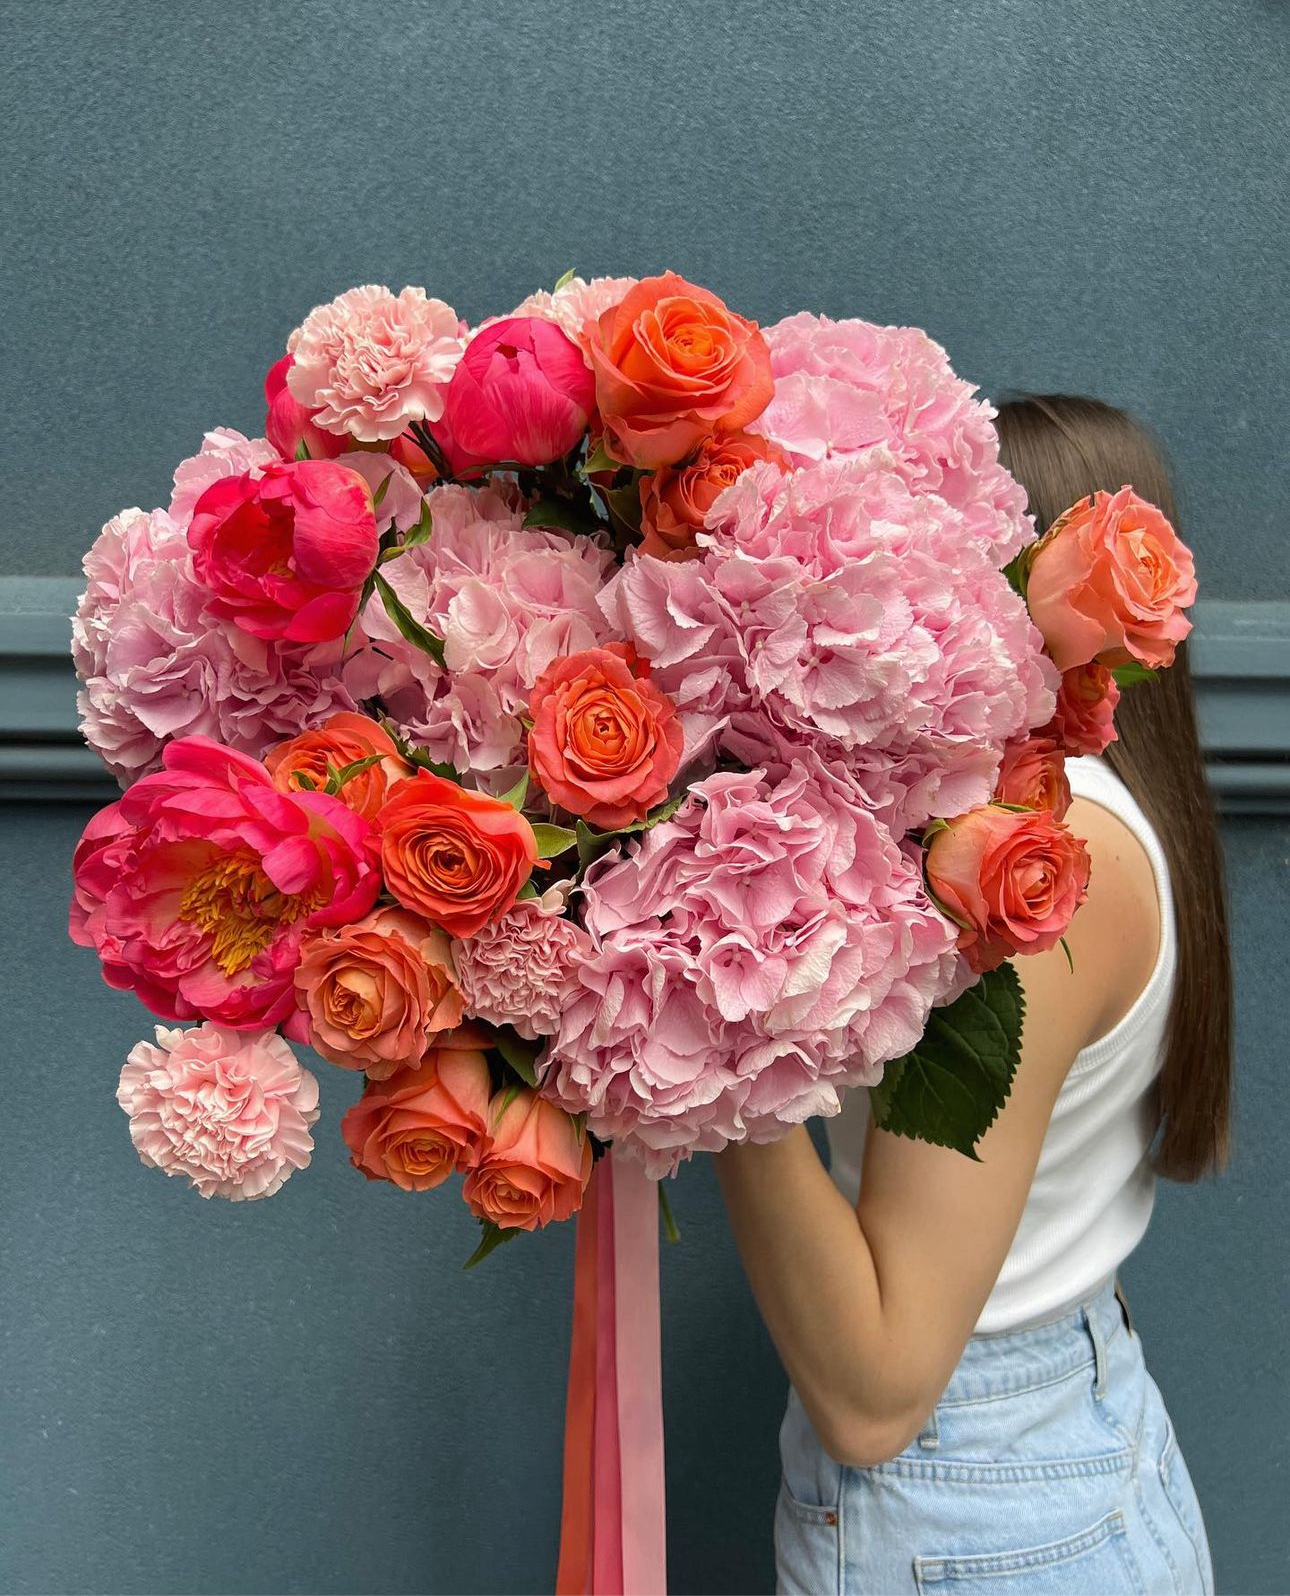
288	424
343	740
231	1112
197	888
534	1169
457	857
522	393
1011	881
675	500
1109	581
1033	774
674	366
378	992
286	554
1084	720
604	744
420	1125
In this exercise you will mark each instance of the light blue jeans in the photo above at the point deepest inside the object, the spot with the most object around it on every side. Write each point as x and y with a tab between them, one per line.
1049	1467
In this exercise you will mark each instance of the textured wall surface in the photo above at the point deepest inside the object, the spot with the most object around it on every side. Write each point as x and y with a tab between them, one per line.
308	1396
1085	196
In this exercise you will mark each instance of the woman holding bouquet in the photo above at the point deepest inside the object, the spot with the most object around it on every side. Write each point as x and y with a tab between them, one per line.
970	1408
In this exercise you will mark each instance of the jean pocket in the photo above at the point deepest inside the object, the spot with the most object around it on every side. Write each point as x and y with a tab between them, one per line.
1097	1560
808	1548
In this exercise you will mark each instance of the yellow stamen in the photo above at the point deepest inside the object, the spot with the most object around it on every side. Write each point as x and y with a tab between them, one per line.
240	907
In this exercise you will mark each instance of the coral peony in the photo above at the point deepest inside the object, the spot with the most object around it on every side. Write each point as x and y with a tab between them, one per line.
1012	881
377	992
1084	720
285	554
535	1168
674	366
370	362
1110	581
521	968
420	1125
675	500
522	392
304	763
230	1111
1033	774
605	745
197	887
457	857
288	426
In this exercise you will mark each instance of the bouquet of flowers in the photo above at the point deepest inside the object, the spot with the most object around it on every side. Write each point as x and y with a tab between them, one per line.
614	723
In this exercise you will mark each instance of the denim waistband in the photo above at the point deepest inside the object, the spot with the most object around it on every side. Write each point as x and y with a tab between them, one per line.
1002	1363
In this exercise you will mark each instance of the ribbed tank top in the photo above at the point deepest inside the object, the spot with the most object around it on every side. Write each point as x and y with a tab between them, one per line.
1091	1198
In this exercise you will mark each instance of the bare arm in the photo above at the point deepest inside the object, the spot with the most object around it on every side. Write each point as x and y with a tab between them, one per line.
871	1307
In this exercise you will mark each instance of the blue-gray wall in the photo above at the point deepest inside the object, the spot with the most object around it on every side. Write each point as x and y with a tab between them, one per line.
307	1395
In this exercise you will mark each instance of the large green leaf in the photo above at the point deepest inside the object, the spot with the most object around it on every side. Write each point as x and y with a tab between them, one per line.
1129	674
950	1088
419	636
552	840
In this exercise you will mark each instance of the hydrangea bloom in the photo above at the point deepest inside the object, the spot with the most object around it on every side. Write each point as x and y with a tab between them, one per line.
506	601
768	946
850	387
225	452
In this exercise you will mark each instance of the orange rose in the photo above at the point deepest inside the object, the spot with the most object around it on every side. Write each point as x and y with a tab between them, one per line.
1084	720
1033	774
378	991
1109	581
673	366
457	857
340	741
676	499
1011	881
422	1124
604	744
535	1168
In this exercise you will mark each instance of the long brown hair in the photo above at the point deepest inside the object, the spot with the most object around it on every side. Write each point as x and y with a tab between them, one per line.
1061	448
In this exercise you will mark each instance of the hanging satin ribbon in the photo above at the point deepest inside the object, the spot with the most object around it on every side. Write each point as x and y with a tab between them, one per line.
613	1539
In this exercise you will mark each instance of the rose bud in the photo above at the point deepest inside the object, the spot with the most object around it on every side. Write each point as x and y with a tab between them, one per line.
675	500
1084	720
1033	774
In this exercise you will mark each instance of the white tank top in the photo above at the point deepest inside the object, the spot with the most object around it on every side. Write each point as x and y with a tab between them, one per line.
1092	1194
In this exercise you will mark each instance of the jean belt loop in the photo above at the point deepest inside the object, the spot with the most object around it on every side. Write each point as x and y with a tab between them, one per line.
1097	1335
930	1437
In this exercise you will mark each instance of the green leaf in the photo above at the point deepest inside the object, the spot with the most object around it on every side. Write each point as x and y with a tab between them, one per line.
302	450
528	890
409	627
494	1236
950	1088
1018	570
1070	957
336	779
600	459
303	779
516	796
418	756
382	490
1132	673
566	278
624	505
561	514
590	842
553	840
520	1054
670	1229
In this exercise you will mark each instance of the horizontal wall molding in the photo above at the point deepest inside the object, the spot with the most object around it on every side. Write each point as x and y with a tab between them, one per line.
1240	660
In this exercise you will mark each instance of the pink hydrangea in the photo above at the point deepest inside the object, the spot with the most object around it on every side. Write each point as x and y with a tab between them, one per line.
505	599
371	361
155	665
764	949
228	1110
225	452
521	968
850	387
576	303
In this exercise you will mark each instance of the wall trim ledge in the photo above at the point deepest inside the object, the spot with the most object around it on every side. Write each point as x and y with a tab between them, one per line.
1240	660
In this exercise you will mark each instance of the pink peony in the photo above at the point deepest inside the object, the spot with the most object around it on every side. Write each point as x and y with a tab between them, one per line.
505	599
576	304
850	387
521	968
288	425
156	665
224	453
285	553
198	886
767	947
230	1111
370	362
521	392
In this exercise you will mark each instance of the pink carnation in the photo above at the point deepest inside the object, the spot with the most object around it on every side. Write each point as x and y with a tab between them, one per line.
230	1111
521	968
764	949
576	303
506	601
371	361
850	387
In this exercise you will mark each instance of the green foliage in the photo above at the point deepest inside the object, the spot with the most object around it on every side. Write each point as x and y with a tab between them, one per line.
553	840
1132	673
950	1088
336	779
592	843
518	793
492	1238
409	627
565	278
520	1055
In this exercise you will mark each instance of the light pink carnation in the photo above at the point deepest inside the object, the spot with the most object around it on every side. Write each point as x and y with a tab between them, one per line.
764	949
371	361
231	1110
521	968
154	665
850	387
225	452
576	303
505	599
